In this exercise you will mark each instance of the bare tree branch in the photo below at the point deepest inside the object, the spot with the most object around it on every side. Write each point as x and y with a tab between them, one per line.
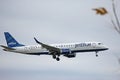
115	27
116	17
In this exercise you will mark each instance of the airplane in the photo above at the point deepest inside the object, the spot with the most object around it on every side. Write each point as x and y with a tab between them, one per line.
68	50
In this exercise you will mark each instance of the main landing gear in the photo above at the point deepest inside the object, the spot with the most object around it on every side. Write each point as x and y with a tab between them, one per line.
57	58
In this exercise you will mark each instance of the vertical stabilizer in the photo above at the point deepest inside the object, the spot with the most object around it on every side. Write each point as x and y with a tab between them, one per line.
11	42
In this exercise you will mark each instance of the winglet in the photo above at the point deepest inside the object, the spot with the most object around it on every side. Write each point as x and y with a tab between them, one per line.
37	41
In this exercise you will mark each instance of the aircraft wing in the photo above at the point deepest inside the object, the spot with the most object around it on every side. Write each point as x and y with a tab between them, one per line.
48	47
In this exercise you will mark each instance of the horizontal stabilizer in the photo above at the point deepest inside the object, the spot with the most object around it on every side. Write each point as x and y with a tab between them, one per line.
7	48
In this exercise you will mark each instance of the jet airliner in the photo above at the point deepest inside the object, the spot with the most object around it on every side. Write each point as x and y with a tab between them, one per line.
68	50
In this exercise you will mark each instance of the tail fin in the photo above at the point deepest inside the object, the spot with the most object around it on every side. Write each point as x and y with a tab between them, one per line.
11	42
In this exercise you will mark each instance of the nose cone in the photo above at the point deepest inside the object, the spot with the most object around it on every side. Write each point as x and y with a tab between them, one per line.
106	48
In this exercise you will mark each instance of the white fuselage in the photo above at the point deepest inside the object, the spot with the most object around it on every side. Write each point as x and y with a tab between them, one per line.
74	47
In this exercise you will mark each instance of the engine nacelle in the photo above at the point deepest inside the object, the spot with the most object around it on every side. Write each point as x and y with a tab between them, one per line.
65	51
71	55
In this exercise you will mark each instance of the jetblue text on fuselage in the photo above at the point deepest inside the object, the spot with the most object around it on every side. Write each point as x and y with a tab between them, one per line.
82	44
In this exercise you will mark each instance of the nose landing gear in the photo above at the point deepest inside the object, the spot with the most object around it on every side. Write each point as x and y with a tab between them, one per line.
96	54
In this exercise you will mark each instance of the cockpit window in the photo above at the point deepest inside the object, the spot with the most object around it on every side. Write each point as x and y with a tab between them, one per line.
99	43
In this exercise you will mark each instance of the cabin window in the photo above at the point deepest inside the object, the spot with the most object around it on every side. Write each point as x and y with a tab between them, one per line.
99	43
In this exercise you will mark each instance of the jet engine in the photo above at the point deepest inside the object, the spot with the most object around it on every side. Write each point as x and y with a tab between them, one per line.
70	55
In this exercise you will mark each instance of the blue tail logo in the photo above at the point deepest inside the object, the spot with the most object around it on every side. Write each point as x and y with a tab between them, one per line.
11	42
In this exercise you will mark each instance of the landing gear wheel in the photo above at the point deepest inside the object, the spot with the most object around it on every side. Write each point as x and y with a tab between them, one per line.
96	54
58	59
54	56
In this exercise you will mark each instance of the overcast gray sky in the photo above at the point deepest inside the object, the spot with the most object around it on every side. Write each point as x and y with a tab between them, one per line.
58	21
